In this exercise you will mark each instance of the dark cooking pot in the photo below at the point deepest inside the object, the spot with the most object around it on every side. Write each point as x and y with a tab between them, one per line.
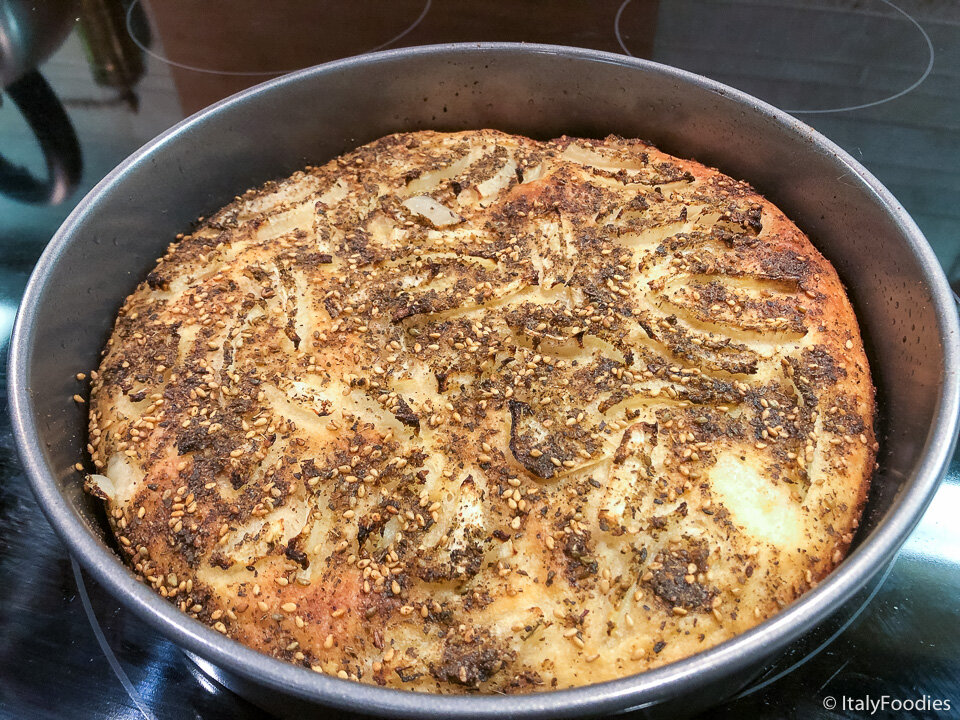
29	33
109	243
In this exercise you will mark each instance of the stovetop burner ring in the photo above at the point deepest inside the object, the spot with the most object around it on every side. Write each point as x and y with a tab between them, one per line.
859	106
252	73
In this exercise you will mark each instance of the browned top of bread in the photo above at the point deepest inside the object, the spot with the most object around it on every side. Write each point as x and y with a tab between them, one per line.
469	411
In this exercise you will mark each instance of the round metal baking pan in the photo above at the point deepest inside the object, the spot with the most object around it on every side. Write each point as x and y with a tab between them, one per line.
109	243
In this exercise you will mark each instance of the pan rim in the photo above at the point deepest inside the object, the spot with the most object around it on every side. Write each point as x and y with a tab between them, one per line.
630	692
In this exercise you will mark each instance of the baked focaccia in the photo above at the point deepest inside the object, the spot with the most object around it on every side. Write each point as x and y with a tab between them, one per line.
473	412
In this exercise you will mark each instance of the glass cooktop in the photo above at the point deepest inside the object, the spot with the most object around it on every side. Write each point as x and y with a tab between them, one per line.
86	83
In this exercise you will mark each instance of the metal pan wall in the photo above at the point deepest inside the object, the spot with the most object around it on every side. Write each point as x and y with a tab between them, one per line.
111	240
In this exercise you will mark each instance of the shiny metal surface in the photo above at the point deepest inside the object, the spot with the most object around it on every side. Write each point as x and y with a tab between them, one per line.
69	310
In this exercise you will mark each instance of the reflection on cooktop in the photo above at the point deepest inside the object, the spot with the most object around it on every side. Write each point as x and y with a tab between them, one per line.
804	56
291	36
220	47
213	49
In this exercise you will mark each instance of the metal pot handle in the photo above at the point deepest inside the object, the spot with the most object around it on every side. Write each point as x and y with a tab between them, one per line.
49	122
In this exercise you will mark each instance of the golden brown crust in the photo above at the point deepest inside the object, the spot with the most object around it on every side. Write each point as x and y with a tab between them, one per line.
470	411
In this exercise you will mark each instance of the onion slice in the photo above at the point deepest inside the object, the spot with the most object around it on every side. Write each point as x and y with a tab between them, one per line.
425	206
